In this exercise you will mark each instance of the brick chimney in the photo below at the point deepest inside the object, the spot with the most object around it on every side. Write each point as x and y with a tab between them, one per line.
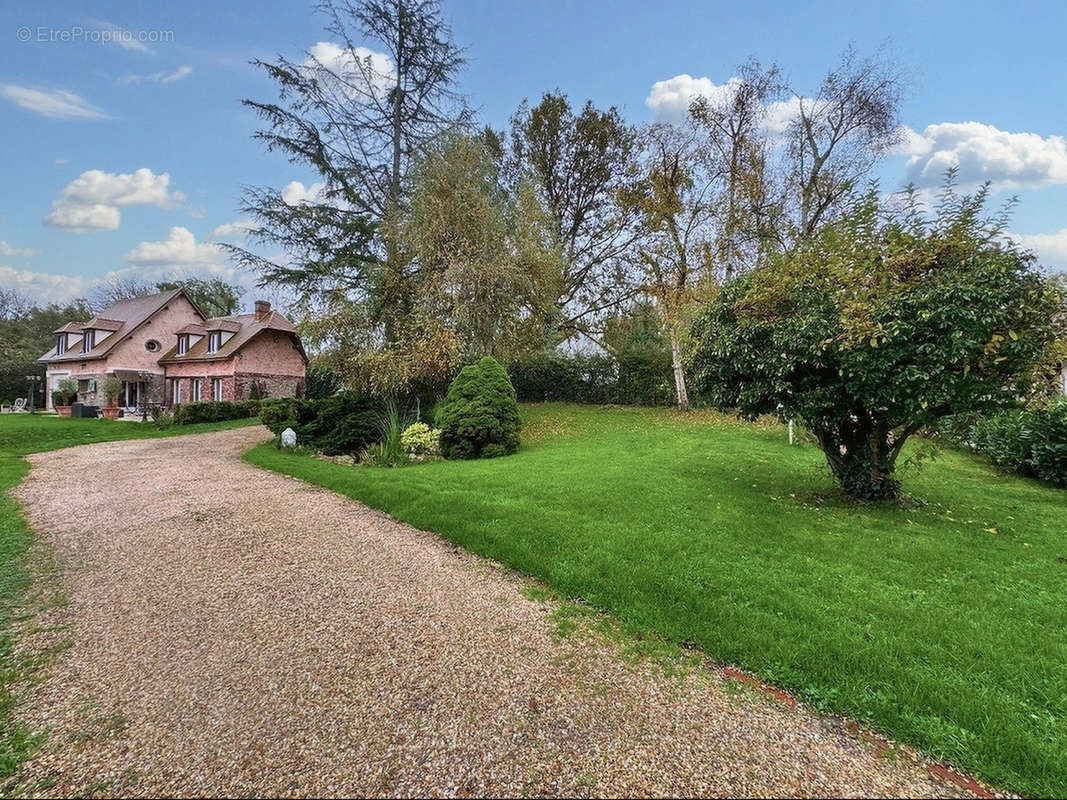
262	309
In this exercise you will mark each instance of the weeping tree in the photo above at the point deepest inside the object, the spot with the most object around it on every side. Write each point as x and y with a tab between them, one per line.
877	326
357	111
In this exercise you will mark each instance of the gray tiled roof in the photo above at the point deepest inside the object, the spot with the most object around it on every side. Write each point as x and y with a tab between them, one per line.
130	313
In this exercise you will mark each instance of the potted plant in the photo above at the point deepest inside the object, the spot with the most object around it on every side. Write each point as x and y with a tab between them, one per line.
112	389
64	395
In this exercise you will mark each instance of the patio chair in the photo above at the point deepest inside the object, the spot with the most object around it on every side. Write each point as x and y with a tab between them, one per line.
20	404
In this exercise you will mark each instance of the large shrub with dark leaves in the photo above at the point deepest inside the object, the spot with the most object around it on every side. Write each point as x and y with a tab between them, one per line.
479	417
343	424
882	324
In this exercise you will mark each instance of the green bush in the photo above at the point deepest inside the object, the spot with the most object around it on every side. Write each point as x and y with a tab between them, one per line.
320	382
1031	441
420	440
194	413
65	393
344	424
639	377
479	417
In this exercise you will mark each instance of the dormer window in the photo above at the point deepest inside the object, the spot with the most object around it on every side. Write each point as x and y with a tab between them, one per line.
183	344
214	341
89	340
61	344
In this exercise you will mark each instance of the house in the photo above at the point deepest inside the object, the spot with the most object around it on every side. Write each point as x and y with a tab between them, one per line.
165	351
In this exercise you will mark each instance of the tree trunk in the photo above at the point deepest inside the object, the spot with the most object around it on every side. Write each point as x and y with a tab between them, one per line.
862	462
679	375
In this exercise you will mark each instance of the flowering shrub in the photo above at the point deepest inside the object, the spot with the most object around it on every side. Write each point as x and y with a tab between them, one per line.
420	440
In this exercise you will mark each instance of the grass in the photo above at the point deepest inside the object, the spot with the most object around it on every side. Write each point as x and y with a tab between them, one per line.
21	434
942	622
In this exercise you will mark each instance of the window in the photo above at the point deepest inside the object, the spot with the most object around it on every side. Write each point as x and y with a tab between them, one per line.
176	392
214	341
61	344
89	341
151	346
183	344
196	397
216	389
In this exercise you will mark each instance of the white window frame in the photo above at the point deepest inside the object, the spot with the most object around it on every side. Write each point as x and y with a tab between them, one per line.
88	340
214	341
216	389
183	344
61	344
197	394
176	392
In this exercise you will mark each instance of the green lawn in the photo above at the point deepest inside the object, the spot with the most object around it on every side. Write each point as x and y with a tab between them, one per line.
21	434
943	624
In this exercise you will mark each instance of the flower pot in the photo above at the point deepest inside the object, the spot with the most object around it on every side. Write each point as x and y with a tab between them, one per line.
63	411
110	412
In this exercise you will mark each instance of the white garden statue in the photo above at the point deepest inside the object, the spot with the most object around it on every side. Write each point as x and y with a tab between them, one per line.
288	438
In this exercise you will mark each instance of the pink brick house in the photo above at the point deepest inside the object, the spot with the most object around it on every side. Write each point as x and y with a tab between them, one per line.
163	350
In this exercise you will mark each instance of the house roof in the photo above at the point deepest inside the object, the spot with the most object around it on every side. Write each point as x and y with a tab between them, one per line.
131	314
71	327
103	324
245	327
228	324
194	328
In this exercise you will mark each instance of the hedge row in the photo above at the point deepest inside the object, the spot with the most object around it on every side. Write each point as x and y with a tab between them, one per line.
218	411
637	378
1031	441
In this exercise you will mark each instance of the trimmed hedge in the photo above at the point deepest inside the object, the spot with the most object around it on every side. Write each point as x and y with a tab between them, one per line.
479	417
636	378
1030	441
343	424
216	411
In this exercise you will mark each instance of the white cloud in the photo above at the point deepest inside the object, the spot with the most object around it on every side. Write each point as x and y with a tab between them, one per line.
157	77
43	286
53	103
1051	248
983	152
670	99
82	219
237	229
91	201
295	192
125	39
8	250
367	71
180	248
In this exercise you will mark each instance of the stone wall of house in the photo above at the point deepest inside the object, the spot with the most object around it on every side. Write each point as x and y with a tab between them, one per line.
270	385
271	353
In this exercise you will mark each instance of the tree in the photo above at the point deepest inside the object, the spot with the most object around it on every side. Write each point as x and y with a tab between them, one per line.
737	148
26	333
578	162
358	118
674	197
880	324
214	296
836	137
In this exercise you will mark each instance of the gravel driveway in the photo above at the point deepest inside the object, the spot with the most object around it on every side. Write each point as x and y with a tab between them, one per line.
236	632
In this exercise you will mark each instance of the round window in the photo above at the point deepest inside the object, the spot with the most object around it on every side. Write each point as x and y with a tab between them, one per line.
151	346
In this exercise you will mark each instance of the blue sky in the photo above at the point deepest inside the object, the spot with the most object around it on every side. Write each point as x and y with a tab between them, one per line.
79	118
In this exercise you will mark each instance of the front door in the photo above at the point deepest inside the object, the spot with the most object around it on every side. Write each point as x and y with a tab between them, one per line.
131	393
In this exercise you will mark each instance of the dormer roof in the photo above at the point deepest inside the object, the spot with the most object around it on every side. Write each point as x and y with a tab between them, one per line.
103	324
71	327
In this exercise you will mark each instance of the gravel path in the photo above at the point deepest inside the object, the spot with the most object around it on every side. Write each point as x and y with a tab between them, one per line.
236	632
